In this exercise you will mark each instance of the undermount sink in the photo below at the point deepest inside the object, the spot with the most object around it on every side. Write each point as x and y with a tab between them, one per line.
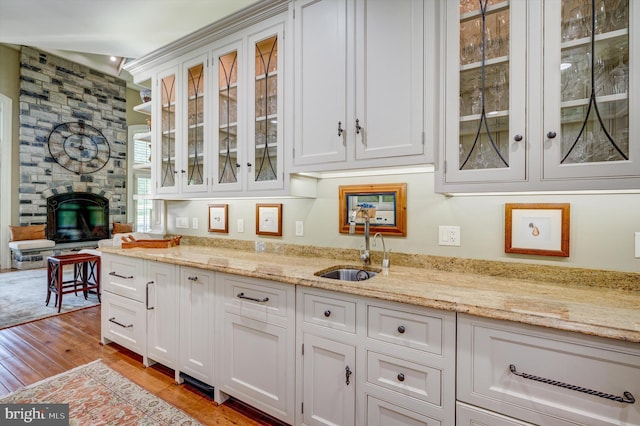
347	273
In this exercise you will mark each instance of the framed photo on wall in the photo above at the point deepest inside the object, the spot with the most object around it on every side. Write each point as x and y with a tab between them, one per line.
269	219
219	218
540	229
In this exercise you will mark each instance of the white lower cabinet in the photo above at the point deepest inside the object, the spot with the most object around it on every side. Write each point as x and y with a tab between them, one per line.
546	376
404	367
196	335
468	415
256	344
162	314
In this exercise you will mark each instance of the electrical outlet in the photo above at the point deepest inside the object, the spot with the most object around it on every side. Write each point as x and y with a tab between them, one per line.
449	235
240	225
299	228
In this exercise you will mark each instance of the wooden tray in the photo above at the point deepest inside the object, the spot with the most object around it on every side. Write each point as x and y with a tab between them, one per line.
130	242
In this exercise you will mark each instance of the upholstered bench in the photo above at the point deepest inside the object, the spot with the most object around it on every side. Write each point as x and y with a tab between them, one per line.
29	246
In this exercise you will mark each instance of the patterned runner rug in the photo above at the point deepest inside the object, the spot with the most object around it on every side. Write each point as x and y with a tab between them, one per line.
98	395
23	295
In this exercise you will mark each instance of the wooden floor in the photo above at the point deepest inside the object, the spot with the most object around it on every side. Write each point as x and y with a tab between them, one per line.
43	348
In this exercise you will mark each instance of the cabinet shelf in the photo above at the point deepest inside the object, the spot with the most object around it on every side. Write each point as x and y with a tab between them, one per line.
144	108
585	41
490	115
490	10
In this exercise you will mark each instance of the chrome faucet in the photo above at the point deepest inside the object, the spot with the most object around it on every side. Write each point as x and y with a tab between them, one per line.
365	255
385	257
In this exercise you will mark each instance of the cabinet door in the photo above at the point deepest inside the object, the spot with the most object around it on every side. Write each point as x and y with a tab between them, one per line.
389	111
329	385
164	152
197	323
320	83
193	162
485	62
264	169
162	314
257	365
228	117
588	104
468	415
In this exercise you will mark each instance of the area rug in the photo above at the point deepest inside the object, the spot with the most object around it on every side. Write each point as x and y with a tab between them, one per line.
98	395
23	295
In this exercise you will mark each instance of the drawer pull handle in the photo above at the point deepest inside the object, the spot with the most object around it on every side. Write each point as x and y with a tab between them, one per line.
327	313
192	278
347	374
130	277
113	320
401	329
401	377
147	295
628	398
242	296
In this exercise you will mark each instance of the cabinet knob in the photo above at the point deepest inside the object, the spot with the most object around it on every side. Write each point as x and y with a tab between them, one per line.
237	165
401	377
183	171
552	134
327	313
248	164
517	138
401	329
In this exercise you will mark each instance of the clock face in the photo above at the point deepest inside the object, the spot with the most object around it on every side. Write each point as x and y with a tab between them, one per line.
79	147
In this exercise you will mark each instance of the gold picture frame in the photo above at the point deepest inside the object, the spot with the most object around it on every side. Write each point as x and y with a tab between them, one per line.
539	229
219	218
269	219
386	205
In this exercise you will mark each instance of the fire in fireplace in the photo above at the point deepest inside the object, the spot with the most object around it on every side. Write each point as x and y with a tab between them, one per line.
77	217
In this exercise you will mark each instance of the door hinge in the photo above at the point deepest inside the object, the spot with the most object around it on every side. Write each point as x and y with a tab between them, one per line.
303	349
302	408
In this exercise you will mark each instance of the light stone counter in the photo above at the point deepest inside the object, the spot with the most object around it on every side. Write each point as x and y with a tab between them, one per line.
589	309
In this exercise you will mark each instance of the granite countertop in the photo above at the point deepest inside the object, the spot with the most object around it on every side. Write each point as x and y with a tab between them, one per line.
600	311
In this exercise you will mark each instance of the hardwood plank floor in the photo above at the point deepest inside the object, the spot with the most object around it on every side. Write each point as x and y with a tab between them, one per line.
43	348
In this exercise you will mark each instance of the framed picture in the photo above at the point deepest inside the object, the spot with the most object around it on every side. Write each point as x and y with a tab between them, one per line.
219	218
384	204
540	229
269	219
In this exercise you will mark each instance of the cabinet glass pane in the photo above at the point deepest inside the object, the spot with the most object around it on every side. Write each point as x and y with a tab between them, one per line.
266	98
168	131
484	85
228	116
594	81
195	119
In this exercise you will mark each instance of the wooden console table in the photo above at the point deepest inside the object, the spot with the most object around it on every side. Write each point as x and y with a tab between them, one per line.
86	273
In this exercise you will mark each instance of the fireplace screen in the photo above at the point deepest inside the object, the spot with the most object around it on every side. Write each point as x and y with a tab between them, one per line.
77	217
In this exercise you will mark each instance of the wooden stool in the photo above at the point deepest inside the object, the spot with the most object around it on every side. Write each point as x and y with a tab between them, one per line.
86	273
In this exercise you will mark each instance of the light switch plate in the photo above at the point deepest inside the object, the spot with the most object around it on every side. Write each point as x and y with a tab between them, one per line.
182	222
299	228
240	225
194	223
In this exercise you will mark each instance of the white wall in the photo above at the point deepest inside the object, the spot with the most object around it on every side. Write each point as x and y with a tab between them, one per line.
602	226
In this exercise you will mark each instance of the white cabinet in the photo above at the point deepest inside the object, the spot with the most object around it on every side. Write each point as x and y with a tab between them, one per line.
257	326
249	73
538	109
360	72
468	415
404	366
197	308
545	376
162	313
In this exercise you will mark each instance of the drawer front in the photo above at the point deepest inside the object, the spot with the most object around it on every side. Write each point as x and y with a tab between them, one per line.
124	276
382	413
261	300
407	378
330	312
124	322
407	329
487	349
467	415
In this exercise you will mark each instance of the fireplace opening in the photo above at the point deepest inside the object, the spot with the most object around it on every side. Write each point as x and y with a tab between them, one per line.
77	217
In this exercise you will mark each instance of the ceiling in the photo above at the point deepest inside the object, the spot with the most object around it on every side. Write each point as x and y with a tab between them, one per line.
94	30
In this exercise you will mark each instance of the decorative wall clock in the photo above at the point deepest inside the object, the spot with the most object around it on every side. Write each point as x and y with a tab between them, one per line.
79	147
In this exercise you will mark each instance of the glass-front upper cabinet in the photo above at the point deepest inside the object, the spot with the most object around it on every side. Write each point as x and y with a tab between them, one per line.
588	107
165	151
485	85
193	168
228	156
265	90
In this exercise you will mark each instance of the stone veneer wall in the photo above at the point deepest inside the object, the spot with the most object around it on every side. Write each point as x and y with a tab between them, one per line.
55	91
